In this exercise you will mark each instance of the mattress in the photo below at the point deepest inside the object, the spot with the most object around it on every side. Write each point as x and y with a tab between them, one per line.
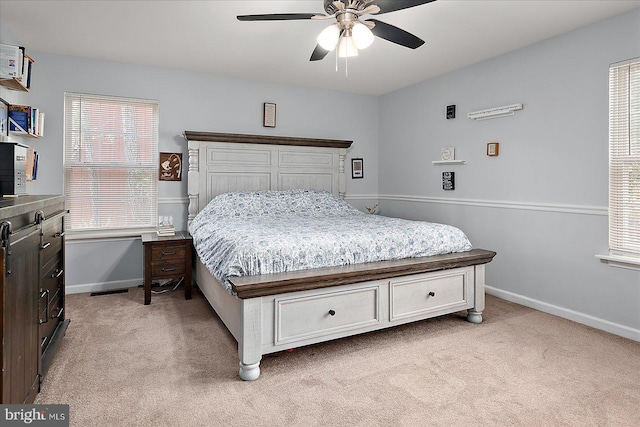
261	232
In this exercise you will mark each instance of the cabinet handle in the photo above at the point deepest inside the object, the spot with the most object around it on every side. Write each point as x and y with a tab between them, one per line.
45	245
39	217
57	274
168	269
59	234
42	294
431	294
57	316
332	313
44	341
168	253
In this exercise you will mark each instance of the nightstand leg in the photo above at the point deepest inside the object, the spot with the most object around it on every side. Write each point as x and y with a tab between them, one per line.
147	275
147	292
188	270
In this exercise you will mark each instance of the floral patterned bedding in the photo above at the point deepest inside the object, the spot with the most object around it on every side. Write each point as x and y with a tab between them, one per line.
249	233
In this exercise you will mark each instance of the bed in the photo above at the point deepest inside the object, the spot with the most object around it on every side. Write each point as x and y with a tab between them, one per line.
269	309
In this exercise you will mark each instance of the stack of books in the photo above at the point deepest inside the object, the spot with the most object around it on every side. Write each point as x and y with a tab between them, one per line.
166	230
165	226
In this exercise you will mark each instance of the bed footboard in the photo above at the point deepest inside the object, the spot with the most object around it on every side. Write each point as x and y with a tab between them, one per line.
299	309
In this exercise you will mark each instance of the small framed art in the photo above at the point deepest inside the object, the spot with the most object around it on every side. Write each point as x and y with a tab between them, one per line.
170	167
4	120
269	115
357	168
493	149
448	180
448	153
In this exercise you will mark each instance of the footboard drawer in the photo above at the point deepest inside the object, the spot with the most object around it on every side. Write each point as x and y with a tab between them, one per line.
327	314
424	295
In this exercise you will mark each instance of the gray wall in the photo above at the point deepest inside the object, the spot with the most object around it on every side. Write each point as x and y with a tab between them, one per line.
542	203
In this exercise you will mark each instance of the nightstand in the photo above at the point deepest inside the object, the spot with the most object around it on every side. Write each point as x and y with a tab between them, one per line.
167	257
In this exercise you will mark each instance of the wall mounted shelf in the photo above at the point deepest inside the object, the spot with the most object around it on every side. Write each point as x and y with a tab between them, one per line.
14	84
449	162
28	134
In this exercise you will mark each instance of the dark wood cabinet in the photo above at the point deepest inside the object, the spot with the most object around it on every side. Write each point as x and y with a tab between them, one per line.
32	292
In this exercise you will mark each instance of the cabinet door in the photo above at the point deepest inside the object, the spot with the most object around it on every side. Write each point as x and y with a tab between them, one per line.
20	321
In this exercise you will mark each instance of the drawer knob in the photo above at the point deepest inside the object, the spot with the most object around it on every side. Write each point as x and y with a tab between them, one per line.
432	294
332	313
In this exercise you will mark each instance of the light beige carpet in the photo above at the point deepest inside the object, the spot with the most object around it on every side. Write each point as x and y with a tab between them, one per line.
173	363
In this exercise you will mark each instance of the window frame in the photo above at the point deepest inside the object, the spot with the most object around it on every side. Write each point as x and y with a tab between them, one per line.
145	164
624	164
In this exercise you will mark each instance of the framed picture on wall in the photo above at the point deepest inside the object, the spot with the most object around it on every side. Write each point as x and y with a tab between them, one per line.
269	115
357	168
170	167
4	120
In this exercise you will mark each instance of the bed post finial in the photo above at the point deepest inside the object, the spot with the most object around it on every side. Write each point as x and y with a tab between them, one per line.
193	177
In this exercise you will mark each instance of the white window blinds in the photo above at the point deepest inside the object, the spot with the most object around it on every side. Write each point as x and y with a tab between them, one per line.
111	164
624	159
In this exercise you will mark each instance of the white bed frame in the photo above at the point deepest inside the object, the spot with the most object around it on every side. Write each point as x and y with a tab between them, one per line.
276	312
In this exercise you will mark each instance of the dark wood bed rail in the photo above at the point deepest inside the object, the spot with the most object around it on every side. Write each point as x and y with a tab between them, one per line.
302	280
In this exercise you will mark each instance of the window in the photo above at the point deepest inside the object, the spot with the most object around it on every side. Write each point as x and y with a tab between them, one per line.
624	159
110	164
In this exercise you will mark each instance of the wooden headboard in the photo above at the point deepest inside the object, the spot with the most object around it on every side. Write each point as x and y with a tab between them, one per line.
223	162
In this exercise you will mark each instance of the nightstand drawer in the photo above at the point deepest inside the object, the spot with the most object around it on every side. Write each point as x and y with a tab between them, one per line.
167	269
168	252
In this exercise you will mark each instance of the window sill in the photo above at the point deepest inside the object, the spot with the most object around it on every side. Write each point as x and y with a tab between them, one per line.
620	261
106	234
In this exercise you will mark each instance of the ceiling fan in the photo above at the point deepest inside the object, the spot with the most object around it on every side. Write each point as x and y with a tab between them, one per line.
350	32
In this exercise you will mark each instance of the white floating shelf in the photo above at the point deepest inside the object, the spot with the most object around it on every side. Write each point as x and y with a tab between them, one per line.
449	162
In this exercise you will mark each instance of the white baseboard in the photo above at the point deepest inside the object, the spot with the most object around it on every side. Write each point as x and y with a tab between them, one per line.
102	287
565	313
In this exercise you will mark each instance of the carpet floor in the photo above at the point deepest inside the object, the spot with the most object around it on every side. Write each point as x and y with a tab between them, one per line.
173	363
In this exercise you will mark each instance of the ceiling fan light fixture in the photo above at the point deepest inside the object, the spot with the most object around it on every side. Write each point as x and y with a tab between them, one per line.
328	38
362	36
347	47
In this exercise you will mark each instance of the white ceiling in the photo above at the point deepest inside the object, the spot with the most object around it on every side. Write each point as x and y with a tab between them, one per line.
206	37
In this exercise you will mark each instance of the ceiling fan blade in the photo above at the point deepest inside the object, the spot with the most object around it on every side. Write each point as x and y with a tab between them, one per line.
277	17
318	53
387	6
395	34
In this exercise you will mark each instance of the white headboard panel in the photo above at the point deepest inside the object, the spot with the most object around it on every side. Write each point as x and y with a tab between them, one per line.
223	162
